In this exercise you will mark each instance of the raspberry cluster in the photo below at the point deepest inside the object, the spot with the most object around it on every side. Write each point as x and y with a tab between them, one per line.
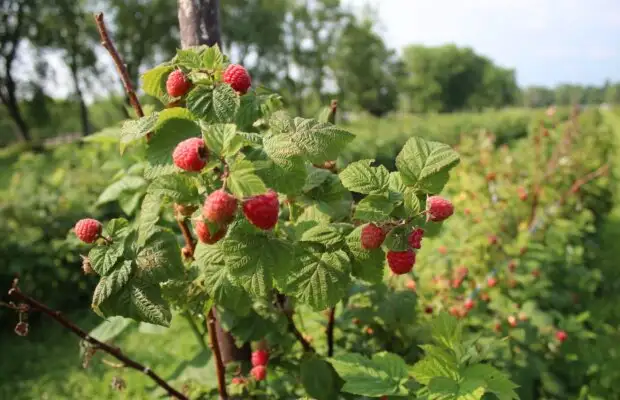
260	358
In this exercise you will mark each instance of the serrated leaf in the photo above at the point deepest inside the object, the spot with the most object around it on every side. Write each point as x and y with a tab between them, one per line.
436	362
324	234
110	328
126	183
361	177
397	238
154	82
414	202
104	258
149	215
317	141
222	139
137	300
155	171
113	282
494	381
212	58
397	309
365	264
242	180
442	388
315	177
207	254
224	291
319	379
373	208
322	281
133	130
160	258
200	102
189	58
213	105
446	331
254	259
116	228
332	198
425	163
284	170
173	126
178	188
368	378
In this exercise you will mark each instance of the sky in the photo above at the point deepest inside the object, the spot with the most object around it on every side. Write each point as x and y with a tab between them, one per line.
546	41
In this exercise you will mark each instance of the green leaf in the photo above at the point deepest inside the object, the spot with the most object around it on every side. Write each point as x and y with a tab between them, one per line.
397	309
116	228
178	188
495	381
446	331
189	58
372	378
255	258
138	300
126	183
154	82
425	163
222	139
317	141
414	202
104	258
322	281
174	125
160	258
133	130
373	208
397	238
110	328
214	105
441	387
437	362
315	177
286	172
149	215
212	58
200	102
332	198
222	288
319	379
324	234
242	180
365	264
113	282
361	177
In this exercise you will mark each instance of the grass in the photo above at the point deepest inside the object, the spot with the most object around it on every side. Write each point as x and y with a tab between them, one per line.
47	364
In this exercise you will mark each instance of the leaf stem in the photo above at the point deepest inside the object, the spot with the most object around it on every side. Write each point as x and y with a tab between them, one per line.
330	331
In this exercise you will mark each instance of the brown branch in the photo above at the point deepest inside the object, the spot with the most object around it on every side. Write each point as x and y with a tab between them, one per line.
281	300
330	331
107	43
602	170
113	351
215	349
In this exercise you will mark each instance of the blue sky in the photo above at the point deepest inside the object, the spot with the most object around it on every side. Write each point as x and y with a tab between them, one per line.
547	41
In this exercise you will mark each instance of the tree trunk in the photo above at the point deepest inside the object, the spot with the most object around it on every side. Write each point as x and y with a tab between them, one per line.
199	22
78	92
10	101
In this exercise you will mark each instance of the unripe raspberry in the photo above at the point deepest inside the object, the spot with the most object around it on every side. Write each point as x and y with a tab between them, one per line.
238	78
204	235
442	250
177	83
238	380
260	357
536	273
88	230
561	336
411	285
492	239
401	262
22	328
372	236
522	316
512	321
491	176
485	297
438	208
369	330
415	238
219	207
185	210
462	271
259	372
469	304
491	282
262	210
454	311
497	327
456	283
522	193
190	155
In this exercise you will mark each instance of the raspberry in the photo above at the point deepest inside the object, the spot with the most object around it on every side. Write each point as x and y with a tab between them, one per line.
512	321
260	357
415	238
262	210
561	336
190	154
177	84
22	328
456	283
442	250
469	304
491	282
492	240
372	236
438	208
411	285
428	309
237	380
259	372
87	230
238	78
462	271
401	262
219	207
202	231
485	297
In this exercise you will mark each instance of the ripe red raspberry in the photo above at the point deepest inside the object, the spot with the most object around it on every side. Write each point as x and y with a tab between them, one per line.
522	193
259	372
219	207
372	236
190	155
469	304
237	380
492	239
438	208
262	210
177	84
512	266
454	311
491	282
401	262
561	336
88	230
260	357
238	78
462	271
415	238
456	283
512	321
202	231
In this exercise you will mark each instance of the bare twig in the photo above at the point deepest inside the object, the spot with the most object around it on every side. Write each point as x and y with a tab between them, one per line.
602	170
330	331
215	348
281	299
120	65
113	351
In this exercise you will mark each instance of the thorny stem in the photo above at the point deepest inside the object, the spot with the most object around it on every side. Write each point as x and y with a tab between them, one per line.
113	351
215	348
107	43
330	331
